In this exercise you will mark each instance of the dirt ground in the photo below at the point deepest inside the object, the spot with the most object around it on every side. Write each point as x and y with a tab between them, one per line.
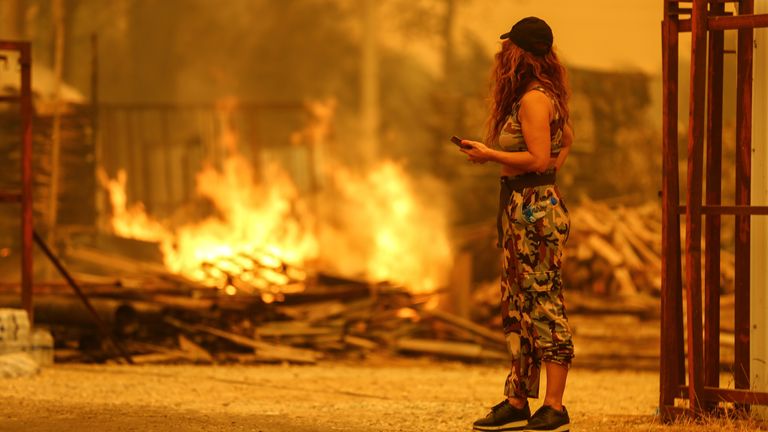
412	396
605	393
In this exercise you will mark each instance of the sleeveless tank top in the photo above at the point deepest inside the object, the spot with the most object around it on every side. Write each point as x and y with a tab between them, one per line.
511	136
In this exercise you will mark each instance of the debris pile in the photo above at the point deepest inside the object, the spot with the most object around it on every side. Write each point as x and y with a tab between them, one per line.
156	316
299	316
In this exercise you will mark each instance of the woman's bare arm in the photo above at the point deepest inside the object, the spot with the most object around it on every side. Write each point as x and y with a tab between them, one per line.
535	114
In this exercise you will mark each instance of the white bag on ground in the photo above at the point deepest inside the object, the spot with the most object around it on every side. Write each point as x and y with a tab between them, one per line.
17	364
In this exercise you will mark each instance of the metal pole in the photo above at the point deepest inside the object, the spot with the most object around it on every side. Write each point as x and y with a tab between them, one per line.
96	318
25	60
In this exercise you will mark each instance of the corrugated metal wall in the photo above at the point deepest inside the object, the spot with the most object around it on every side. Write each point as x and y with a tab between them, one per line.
161	147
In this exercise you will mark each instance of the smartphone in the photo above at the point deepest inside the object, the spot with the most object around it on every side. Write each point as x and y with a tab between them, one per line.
456	140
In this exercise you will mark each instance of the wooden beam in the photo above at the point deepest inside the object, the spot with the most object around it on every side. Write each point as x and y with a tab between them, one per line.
672	368
713	198
449	349
740	21
729	22
693	198
743	210
9	197
716	394
467	325
263	350
743	181
737	396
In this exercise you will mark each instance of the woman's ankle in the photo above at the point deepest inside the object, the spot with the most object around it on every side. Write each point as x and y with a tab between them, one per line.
517	402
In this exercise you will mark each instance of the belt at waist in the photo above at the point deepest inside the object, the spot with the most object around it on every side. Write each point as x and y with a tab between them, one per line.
528	180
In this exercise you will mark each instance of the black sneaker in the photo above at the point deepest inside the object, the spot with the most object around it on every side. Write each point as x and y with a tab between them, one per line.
549	419
504	417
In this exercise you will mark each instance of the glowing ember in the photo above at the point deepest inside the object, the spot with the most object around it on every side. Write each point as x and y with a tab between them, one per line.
255	240
258	228
408	313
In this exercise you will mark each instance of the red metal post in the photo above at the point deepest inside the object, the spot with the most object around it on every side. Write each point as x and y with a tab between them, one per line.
702	387
713	198
693	199
25	60
672	368
743	181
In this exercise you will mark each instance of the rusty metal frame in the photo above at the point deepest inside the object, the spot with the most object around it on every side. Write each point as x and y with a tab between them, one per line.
24	196
691	370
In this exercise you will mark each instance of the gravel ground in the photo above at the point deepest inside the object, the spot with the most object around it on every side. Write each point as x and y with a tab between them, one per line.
410	397
383	395
612	387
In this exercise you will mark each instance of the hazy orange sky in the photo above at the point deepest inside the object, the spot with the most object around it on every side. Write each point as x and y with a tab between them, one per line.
603	34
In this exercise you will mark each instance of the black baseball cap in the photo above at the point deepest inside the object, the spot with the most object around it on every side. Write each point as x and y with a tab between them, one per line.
531	34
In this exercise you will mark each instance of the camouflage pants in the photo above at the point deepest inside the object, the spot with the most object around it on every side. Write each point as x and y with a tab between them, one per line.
533	314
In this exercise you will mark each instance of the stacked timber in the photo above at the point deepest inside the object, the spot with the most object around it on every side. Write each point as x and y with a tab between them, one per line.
616	250
76	180
612	263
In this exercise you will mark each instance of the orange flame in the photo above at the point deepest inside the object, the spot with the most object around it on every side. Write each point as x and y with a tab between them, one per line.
256	235
133	221
382	220
262	235
258	223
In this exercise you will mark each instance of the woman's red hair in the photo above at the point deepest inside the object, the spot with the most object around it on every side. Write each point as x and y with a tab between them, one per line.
514	69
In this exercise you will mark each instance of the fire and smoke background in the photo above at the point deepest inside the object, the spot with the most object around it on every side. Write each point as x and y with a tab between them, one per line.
309	134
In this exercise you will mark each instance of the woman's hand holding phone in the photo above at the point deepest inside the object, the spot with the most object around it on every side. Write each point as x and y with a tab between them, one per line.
459	142
477	152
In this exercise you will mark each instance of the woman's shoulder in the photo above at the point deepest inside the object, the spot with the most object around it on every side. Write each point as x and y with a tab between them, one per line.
535	92
535	99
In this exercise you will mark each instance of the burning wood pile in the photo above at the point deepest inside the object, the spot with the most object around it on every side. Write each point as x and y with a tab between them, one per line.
158	316
237	280
259	308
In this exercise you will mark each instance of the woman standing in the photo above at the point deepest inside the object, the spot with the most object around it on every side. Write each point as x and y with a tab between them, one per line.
529	131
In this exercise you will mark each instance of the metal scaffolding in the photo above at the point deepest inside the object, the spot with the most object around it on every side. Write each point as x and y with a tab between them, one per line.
24	195
690	364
